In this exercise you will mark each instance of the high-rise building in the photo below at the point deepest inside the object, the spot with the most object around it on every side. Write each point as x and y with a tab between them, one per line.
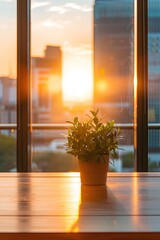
113	58
154	73
47	86
113	63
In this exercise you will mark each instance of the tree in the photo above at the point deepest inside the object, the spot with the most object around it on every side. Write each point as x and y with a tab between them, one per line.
128	160
7	153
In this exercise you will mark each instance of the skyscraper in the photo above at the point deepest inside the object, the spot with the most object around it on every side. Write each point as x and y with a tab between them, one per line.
113	63
154	74
47	86
113	58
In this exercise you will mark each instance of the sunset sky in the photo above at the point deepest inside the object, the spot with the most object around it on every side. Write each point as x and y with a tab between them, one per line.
68	24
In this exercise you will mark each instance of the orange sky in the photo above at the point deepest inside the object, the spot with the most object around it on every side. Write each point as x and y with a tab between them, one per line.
67	24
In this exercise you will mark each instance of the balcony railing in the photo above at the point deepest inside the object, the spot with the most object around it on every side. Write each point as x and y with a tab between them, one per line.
61	126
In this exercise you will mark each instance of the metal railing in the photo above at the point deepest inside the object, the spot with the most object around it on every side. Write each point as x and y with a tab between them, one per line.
61	126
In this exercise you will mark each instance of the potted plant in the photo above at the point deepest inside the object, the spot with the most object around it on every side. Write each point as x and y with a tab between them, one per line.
93	142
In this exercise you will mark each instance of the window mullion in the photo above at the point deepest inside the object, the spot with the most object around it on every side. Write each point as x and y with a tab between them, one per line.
141	107
23	85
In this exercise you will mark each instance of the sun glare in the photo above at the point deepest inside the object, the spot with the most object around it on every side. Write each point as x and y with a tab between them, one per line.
77	82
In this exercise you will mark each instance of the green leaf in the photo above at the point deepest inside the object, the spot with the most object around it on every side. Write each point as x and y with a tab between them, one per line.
75	120
95	120
69	122
93	113
92	138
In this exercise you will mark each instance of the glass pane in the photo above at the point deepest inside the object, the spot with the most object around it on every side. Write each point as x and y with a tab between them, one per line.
49	153
8	75
154	83
8	150
80	49
113	66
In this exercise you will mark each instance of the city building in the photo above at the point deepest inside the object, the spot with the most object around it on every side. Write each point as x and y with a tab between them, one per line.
47	86
46	89
113	64
113	58
8	100
154	75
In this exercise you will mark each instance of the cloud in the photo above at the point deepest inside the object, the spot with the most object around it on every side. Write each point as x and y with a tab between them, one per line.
37	4
80	50
49	23
58	9
78	7
62	9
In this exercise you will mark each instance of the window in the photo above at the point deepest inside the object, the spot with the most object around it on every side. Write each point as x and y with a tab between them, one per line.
8	85
83	55
43	97
72	88
114	69
62	71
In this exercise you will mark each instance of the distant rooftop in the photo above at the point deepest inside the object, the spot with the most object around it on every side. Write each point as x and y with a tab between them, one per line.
53	52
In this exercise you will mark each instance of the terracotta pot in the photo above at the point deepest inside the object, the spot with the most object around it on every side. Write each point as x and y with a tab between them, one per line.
93	173
94	194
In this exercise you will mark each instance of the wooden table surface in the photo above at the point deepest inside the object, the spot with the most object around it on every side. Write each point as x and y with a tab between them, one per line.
56	206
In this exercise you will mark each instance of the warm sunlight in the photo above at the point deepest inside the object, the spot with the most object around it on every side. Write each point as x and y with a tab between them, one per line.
54	83
77	80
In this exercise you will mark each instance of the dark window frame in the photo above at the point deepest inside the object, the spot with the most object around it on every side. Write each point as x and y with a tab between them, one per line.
23	87
141	92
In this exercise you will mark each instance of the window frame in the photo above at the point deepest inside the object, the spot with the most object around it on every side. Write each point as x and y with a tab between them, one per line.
23	86
24	125
141	88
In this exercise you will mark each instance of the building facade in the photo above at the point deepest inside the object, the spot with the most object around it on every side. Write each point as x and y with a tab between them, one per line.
113	58
8	100
113	64
114	61
154	73
47	86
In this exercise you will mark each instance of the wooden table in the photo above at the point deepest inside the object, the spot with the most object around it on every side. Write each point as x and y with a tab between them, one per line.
56	206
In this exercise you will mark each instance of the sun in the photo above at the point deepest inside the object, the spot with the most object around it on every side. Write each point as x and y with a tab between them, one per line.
77	82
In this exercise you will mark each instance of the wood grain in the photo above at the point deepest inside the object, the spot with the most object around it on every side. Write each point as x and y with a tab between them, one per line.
56	205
